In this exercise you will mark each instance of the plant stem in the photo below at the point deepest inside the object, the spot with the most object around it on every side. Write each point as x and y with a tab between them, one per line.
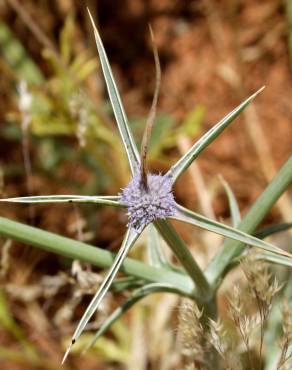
186	259
232	249
84	252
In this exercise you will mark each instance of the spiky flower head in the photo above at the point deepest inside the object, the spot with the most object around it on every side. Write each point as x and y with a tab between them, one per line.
146	204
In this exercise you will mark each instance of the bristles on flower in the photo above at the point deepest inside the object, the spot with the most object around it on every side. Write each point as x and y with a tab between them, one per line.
146	205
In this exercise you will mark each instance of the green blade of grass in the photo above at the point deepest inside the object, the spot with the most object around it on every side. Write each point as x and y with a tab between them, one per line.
233	205
104	200
129	240
119	112
184	162
138	295
193	218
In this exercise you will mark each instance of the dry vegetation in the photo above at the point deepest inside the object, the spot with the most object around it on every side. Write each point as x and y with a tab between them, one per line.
213	53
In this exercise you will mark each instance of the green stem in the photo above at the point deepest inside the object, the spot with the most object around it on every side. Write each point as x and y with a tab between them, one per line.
186	259
232	249
84	252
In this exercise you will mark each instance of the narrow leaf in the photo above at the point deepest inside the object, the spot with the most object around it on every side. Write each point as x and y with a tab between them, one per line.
272	229
106	200
129	240
119	112
126	283
193	218
138	295
183	163
233	205
232	249
272	258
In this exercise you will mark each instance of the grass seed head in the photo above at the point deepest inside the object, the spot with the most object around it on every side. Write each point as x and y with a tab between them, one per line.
262	284
191	331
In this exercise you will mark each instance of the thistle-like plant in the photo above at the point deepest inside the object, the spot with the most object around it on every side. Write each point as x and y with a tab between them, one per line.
149	199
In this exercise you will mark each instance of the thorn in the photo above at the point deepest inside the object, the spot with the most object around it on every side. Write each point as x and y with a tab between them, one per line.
91	18
67	352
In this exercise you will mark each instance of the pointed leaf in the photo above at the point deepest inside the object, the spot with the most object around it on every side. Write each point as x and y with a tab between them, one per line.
272	258
138	295
193	218
106	200
232	249
123	125
130	238
233	205
272	229
183	163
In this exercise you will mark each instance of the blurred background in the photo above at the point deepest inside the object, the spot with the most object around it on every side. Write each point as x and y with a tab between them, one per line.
58	136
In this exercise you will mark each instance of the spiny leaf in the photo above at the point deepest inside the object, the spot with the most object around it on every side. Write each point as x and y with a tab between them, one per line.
129	240
105	200
272	229
272	258
123	125
183	163
193	218
138	295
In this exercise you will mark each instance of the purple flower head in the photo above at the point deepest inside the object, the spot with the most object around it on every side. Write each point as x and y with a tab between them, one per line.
146	205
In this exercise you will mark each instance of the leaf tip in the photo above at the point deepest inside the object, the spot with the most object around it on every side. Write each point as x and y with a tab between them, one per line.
259	90
67	352
91	19
10	200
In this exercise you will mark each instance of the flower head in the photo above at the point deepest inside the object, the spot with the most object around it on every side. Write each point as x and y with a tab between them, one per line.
146	204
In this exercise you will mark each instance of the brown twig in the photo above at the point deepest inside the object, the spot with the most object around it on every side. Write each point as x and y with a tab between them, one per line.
152	114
